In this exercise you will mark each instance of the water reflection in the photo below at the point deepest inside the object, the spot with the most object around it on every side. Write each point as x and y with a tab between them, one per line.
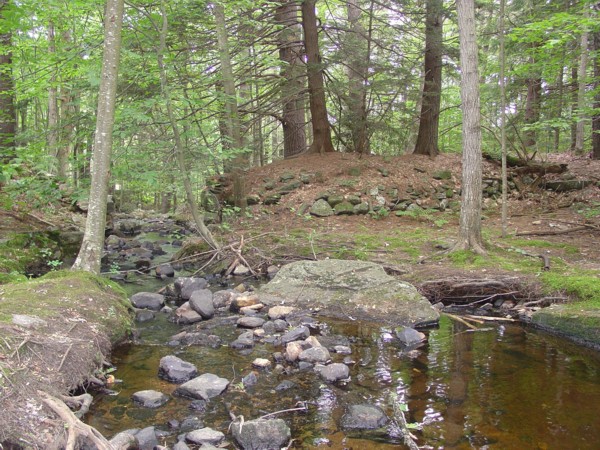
506	387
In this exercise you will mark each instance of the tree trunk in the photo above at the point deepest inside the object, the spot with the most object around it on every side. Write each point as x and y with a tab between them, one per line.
580	133
52	133
502	86
232	118
427	139
596	115
292	87
574	91
357	52
179	147
8	119
68	114
532	111
93	239
316	89
469	235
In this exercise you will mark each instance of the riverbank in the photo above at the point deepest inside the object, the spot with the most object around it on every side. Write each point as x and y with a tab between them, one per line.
56	333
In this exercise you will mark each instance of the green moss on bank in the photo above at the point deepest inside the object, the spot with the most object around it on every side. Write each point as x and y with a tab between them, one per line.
70	296
579	319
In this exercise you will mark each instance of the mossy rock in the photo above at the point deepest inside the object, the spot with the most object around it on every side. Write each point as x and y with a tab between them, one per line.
192	246
335	199
442	175
290	187
272	199
344	208
321	208
284	178
353	199
362	208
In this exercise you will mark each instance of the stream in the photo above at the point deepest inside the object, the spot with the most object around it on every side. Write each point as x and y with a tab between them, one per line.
503	387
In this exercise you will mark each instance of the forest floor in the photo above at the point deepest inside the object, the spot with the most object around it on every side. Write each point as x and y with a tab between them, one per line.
562	225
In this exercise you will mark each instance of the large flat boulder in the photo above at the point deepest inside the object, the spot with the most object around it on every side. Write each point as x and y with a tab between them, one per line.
349	288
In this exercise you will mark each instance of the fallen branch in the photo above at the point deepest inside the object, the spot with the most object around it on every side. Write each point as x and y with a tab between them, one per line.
488	298
461	320
74	427
544	300
62	361
550	232
491	319
303	408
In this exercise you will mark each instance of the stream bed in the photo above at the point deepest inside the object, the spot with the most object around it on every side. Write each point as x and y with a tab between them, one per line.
505	386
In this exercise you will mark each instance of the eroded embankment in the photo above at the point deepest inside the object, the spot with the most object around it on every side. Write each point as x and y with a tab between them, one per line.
55	334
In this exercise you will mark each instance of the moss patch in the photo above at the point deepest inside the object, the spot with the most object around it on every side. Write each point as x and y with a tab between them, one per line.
575	321
579	320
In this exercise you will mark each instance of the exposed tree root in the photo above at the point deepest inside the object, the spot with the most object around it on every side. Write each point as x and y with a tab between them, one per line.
80	402
77	431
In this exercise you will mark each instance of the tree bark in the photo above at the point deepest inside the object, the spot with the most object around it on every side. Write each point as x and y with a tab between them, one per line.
580	133
292	87
52	136
596	115
232	117
532	111
179	146
574	112
502	86
427	139
357	52
8	119
469	235
314	67
90	252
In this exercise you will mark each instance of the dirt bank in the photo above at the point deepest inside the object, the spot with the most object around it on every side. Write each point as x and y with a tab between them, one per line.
55	333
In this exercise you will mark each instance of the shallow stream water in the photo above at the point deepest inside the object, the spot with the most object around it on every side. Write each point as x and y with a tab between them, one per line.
503	387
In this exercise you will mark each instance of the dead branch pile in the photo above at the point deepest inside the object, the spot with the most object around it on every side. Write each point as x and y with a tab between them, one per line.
473	292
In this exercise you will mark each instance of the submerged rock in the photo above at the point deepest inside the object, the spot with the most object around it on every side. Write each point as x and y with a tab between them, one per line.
250	322
150	398
364	417
205	436
333	372
315	355
339	288
409	336
148	300
176	370
204	387
244	340
261	434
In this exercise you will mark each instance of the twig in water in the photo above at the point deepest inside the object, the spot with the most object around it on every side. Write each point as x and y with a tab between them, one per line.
303	408
461	320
